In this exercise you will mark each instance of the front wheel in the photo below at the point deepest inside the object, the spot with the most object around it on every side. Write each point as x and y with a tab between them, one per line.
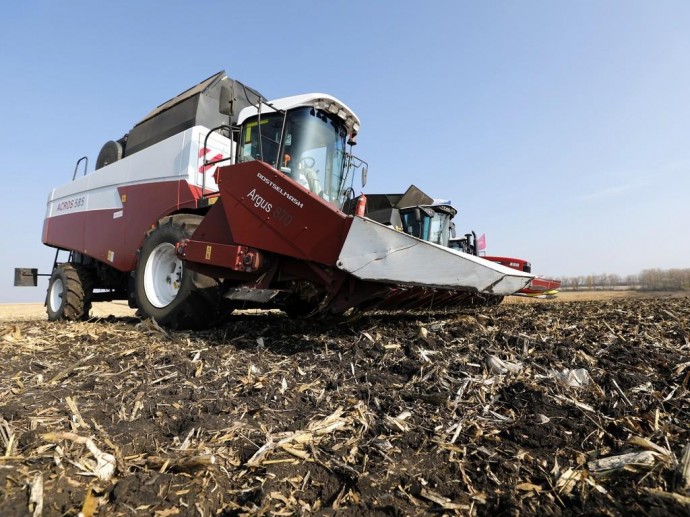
69	293
165	288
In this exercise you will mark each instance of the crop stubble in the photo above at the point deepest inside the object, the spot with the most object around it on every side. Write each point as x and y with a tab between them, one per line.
550	408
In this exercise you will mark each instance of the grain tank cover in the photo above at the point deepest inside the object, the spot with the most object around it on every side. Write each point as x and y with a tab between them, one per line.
199	105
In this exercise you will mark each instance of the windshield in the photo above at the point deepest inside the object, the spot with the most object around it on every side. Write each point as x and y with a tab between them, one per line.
311	152
431	224
440	229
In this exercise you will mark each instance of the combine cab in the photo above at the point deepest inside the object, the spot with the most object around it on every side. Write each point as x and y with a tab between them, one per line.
219	199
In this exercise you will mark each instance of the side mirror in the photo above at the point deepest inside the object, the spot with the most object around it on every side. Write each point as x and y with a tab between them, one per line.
364	175
225	102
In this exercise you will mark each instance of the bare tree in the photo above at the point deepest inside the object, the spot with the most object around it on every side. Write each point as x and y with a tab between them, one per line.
648	280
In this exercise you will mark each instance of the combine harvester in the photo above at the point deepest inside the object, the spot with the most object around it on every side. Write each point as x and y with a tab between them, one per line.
219	199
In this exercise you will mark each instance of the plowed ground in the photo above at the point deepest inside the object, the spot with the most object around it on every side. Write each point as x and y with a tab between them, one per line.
560	408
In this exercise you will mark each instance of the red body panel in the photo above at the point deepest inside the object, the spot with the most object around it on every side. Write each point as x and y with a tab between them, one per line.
515	263
267	210
541	285
237	258
115	240
537	285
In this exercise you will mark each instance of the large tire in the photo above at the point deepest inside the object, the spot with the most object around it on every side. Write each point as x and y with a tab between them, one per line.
69	293
165	289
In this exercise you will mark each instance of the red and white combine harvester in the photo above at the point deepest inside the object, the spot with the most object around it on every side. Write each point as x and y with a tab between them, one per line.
220	199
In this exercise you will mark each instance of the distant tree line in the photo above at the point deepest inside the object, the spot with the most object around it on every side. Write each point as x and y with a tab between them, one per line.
647	280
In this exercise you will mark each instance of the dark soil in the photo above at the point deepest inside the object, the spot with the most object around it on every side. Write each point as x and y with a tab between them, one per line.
477	412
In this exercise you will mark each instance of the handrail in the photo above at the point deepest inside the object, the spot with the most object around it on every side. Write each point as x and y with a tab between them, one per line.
86	166
232	129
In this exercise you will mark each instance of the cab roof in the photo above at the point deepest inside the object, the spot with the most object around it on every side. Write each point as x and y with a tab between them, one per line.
322	101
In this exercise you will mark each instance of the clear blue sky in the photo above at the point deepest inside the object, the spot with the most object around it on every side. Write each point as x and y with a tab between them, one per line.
559	129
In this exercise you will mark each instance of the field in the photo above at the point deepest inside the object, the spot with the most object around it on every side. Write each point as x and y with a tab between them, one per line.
573	406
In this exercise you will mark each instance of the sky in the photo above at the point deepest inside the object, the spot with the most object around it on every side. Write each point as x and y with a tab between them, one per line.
559	129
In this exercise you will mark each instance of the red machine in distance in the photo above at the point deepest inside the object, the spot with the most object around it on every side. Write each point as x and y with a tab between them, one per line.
538	287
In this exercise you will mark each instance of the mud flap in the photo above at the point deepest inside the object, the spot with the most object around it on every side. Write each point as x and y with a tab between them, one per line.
25	277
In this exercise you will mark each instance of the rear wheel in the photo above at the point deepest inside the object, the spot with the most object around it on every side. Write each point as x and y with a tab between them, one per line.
165	288
69	293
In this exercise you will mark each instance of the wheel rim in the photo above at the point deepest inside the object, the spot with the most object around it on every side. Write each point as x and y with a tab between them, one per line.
163	275
56	292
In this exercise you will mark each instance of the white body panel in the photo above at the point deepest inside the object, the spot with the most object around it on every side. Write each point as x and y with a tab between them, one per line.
180	156
378	253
